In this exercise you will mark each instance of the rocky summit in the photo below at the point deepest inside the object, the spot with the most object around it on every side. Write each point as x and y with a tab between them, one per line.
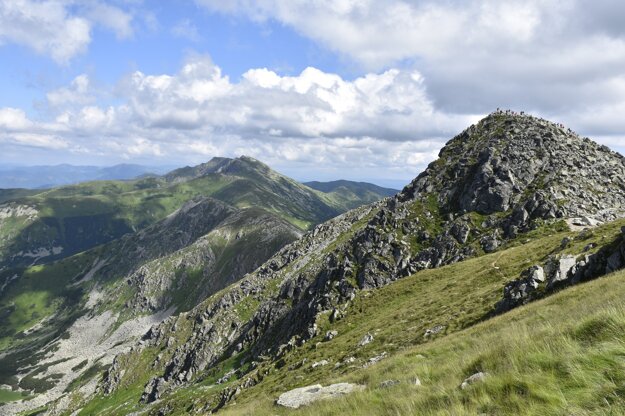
527	166
498	184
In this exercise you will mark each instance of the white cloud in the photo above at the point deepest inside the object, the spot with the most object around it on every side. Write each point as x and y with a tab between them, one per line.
383	119
60	29
13	119
45	141
113	18
78	92
45	27
538	55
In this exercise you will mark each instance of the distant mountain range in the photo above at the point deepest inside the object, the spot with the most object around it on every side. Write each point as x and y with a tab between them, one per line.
38	177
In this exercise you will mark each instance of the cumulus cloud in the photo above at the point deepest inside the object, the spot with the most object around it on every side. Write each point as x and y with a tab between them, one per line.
46	27
314	121
314	118
13	119
78	92
58	28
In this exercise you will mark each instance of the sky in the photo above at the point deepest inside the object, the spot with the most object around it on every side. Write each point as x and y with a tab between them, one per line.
318	89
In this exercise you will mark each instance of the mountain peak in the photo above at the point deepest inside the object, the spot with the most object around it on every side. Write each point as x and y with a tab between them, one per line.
516	162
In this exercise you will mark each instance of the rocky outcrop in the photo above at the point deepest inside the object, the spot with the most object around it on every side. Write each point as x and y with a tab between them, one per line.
562	271
528	167
522	290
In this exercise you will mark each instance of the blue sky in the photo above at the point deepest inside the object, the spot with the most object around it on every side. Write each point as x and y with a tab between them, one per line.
350	89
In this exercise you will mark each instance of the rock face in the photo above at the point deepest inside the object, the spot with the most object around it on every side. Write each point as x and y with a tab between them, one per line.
529	166
520	291
304	396
498	179
562	271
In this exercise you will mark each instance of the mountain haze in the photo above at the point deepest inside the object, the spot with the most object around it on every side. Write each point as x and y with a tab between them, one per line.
39	177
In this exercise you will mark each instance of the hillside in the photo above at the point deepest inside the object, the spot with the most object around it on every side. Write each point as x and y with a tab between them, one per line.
349	194
60	222
123	256
498	203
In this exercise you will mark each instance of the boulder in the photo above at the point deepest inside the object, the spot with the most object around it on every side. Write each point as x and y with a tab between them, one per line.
560	269
475	378
367	339
434	330
330	335
520	291
304	396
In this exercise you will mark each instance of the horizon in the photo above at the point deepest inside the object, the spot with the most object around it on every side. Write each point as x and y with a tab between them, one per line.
164	169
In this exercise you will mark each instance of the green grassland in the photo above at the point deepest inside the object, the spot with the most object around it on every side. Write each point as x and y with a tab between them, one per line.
562	355
82	216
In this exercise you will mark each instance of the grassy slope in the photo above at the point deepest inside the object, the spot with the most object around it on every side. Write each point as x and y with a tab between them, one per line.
347	194
11	194
85	215
458	297
562	355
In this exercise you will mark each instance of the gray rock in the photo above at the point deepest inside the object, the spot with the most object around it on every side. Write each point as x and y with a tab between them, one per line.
434	330
304	396
520	291
615	262
562	269
330	335
367	339
374	360
475	378
319	363
565	242
389	383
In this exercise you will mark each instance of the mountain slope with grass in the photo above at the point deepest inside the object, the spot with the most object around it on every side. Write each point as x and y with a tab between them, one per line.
38	227
507	194
122	256
349	194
